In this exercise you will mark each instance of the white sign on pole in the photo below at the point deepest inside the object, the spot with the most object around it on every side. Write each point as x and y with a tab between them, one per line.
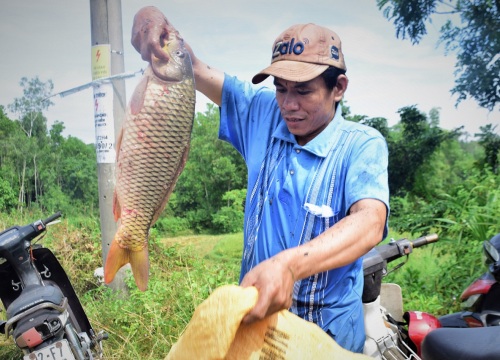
104	123
103	105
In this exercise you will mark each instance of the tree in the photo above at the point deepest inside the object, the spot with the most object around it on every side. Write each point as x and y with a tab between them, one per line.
491	144
78	174
378	123
229	218
213	169
7	129
411	145
29	108
476	40
7	196
448	167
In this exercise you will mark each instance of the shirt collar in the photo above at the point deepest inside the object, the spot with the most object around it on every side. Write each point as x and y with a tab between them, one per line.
321	144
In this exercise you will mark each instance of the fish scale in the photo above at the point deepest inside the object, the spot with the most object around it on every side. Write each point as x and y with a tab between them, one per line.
152	151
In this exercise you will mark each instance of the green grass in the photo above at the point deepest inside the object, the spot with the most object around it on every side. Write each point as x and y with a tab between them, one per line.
417	279
215	247
184	271
227	247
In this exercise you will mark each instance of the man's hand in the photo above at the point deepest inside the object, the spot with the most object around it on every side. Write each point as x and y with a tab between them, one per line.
274	280
149	32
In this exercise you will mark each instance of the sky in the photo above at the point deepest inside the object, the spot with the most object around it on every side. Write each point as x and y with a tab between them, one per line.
52	40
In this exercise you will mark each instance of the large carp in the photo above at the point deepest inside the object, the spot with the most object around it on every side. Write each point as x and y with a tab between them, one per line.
152	150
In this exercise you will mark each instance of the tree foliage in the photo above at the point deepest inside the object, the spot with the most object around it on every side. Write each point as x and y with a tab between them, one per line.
7	196
33	124
410	147
475	40
413	144
38	164
213	169
31	105
491	144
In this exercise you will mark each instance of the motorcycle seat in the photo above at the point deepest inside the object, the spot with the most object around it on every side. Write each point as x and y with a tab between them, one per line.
33	295
462	344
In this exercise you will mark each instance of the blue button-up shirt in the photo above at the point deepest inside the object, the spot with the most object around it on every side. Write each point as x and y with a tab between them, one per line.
297	192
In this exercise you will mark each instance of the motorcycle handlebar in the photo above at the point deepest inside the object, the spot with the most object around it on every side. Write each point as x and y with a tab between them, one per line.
402	247
15	243
376	261
424	240
15	237
51	218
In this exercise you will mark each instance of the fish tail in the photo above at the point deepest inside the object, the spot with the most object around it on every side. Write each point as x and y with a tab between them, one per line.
118	257
139	261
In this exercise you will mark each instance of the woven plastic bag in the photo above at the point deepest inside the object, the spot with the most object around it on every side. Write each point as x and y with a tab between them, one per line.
215	332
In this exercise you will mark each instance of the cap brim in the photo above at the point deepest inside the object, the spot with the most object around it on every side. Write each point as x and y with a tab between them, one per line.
291	71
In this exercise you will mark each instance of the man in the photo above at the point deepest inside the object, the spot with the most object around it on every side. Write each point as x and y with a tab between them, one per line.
317	185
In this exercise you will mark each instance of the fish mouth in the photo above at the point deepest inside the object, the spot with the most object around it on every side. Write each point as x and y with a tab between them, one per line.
173	69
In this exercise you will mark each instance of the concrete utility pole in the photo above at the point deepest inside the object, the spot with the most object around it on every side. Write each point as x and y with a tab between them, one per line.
109	110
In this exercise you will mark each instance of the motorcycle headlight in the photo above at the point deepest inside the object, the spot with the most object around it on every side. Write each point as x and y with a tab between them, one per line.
490	253
491	250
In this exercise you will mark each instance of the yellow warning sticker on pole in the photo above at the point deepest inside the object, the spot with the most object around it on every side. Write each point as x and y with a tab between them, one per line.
103	104
101	61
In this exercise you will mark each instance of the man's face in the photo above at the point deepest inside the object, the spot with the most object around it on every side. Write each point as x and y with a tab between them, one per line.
307	107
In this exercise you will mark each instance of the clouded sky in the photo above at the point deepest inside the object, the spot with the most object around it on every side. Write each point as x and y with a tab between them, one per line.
52	40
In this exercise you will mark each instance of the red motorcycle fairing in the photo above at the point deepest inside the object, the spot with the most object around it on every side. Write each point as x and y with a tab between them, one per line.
419	325
479	286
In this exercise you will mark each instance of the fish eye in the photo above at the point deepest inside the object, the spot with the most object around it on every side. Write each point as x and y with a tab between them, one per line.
179	53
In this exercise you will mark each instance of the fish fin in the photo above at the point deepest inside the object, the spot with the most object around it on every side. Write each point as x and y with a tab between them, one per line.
117	209
117	257
118	143
137	100
139	261
162	206
182	163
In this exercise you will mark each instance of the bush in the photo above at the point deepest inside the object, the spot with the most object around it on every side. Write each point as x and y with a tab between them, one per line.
8	199
172	226
229	219
463	219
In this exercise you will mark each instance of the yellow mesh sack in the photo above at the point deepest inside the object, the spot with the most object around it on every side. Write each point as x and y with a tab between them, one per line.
215	332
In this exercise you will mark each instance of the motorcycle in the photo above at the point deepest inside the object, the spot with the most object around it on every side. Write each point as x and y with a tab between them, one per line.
481	299
44	316
390	332
479	338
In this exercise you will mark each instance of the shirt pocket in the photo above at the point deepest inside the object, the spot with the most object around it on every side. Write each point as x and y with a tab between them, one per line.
322	216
